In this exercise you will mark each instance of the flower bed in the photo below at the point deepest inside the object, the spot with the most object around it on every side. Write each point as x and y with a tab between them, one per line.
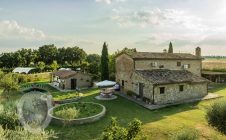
77	113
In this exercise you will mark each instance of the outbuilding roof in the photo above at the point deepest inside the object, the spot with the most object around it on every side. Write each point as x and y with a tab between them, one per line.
173	56
24	70
64	73
165	76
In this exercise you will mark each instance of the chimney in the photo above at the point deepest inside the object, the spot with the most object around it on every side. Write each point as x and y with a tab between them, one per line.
198	52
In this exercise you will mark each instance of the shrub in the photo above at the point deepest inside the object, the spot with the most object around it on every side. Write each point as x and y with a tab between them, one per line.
67	113
186	134
22	78
130	93
21	134
9	82
216	115
115	132
134	129
8	116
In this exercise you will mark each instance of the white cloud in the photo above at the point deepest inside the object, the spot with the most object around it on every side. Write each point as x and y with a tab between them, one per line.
12	30
157	17
109	1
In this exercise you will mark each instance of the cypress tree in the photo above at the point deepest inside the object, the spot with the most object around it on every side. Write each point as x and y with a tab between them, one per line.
104	63
170	48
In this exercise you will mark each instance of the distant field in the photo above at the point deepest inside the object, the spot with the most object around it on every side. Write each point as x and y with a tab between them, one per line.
44	77
215	64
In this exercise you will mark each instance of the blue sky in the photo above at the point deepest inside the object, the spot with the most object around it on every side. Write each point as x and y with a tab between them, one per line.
148	25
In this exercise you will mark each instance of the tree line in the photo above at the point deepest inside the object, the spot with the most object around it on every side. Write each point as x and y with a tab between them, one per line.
47	54
50	58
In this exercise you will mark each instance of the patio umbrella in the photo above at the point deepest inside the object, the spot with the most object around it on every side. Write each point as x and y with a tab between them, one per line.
105	83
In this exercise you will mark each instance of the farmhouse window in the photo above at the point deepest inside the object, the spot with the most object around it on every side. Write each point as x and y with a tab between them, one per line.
181	88
178	64
162	90
154	64
186	66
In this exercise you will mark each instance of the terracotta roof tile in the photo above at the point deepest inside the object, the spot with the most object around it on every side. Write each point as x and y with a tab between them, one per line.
64	73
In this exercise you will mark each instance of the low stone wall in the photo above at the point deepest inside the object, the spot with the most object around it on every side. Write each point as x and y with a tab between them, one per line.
60	121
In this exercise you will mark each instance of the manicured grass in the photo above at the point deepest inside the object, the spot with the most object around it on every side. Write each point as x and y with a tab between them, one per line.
159	124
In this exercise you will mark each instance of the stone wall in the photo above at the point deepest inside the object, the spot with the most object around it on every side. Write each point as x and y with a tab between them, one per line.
172	93
148	87
195	65
83	80
72	122
124	70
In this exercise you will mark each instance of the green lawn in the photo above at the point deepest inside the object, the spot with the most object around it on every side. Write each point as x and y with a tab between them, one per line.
158	124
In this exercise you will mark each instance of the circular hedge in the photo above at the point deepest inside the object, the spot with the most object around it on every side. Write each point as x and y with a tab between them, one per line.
76	113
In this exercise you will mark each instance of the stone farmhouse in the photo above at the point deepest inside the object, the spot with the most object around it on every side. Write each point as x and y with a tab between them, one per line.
162	78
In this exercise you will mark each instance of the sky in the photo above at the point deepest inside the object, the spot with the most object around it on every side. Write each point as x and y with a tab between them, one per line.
147	25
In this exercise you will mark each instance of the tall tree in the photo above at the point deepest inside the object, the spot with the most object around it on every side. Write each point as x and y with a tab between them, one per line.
7	60
74	55
104	63
47	53
94	64
170	48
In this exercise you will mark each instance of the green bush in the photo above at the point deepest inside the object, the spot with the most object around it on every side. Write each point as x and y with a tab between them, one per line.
115	132
22	78
21	134
67	113
216	115
8	121
186	134
130	93
8	116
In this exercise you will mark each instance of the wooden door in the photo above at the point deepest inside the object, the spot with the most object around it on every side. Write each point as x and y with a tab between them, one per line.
73	83
141	90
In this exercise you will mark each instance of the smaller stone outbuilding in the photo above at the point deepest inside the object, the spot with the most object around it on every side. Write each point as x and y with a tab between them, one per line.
163	86
71	80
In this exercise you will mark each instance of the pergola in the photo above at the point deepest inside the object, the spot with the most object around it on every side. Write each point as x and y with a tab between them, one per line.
217	77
